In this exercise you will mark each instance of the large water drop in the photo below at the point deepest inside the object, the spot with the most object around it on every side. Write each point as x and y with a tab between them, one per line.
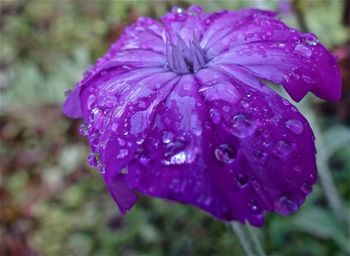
295	126
225	153
242	126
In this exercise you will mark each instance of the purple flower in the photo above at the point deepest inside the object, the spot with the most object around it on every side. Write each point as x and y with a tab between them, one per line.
179	109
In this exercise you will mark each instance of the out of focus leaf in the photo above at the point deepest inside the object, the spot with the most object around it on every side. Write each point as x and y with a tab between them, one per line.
336	137
321	223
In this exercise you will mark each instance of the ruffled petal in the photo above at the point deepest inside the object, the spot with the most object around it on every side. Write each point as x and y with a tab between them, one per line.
118	113
299	72
226	148
270	50
187	24
141	45
225	24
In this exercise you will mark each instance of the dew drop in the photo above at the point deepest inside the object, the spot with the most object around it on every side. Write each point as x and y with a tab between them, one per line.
101	168
139	141
93	159
303	50
285	206
310	39
178	158
114	127
178	154
313	177
282	148
225	154
144	160
306	188
167	137
285	102
241	180
176	9
121	142
122	153
67	93
226	109
197	131
94	139
242	126
123	171
295	126
297	168
254	208
306	79
83	130
90	102
214	115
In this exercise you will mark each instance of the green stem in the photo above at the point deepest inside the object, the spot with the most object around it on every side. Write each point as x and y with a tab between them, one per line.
247	237
237	228
255	239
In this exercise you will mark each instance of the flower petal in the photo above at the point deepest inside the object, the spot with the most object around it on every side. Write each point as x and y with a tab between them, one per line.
141	45
186	24
230	150
118	119
270	50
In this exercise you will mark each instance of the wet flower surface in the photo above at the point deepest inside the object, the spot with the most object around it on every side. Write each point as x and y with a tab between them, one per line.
178	109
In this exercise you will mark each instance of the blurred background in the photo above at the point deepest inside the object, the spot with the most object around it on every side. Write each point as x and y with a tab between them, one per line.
52	203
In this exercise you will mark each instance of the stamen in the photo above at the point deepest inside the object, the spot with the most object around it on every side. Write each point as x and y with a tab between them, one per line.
183	58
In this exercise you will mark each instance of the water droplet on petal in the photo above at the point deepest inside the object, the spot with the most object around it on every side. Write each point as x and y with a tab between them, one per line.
214	115
178	158
285	206
167	137
303	50
242	126
139	141
90	102
176	9
114	127
306	79
123	171
197	130
93	159
121	142
179	154
67	93
306	188
101	168
282	148
297	168
241	180
310	39
254	208
225	154
122	153
313	177
226	109
295	126
83	130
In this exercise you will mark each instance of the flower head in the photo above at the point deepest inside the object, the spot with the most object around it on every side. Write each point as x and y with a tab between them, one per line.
178	109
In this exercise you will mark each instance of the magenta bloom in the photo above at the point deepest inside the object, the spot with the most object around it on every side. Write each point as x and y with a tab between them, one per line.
178	109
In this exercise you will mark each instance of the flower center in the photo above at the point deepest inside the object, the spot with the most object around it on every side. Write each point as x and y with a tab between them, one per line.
183	58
